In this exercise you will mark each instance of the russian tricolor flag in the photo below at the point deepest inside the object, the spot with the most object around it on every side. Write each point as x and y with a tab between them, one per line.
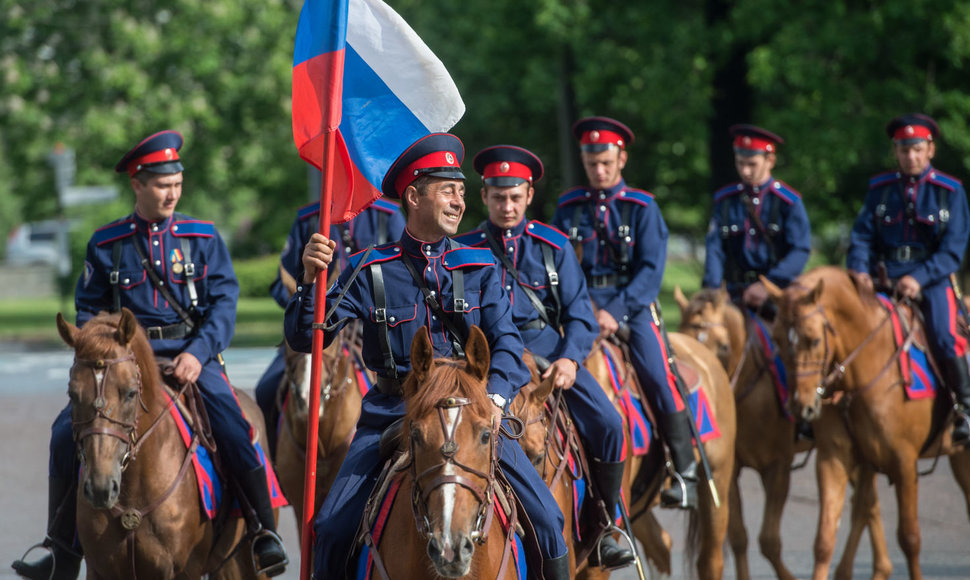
359	69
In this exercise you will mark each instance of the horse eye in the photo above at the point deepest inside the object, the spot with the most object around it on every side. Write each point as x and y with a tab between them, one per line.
131	394
816	342
416	436
486	436
539	460
73	397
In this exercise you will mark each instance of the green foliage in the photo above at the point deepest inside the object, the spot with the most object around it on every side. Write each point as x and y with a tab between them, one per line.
256	274
827	75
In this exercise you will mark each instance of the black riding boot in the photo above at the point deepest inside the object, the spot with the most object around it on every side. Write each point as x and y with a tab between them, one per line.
683	493
957	379
62	563
556	568
607	479
267	546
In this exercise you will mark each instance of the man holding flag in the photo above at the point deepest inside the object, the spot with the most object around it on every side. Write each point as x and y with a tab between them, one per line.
428	179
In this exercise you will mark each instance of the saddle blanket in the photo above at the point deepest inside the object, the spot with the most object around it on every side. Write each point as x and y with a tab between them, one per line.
773	361
365	561
641	431
920	381
210	485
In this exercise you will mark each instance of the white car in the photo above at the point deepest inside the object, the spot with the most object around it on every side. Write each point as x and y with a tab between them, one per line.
35	243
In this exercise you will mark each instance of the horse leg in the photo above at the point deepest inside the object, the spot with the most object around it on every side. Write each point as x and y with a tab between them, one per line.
907	499
832	479
960	465
655	540
776	480
865	512
737	534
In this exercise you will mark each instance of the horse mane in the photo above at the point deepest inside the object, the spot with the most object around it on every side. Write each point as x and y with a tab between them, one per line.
839	291
703	297
98	337
447	378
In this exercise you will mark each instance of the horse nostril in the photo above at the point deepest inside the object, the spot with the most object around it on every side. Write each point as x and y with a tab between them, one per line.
434	550
115	489
466	549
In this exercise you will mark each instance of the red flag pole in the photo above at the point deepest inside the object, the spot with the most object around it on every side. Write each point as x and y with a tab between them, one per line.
316	364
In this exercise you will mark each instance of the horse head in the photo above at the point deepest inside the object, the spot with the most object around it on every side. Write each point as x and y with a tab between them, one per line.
106	391
710	317
805	339
452	430
530	407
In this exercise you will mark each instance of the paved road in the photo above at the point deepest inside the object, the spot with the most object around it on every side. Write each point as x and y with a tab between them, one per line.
32	386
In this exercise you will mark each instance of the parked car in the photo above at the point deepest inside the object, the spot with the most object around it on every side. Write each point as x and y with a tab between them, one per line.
37	243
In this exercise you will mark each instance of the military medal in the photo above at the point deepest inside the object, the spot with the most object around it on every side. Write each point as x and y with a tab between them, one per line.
177	267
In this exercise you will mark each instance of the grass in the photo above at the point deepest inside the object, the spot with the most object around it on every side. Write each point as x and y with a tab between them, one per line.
259	321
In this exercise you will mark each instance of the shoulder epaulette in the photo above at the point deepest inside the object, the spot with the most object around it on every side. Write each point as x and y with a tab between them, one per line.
383	205
467	257
472	238
574	195
636	196
547	234
727	191
192	227
944	180
785	192
883	179
308	210
114	231
381	253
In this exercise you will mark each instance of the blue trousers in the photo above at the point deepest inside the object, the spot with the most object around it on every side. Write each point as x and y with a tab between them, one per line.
940	311
597	420
268	384
650	361
341	512
229	428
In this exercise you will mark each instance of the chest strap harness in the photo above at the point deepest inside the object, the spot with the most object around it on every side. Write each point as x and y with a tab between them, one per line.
736	274
546	317
909	253
619	256
189	321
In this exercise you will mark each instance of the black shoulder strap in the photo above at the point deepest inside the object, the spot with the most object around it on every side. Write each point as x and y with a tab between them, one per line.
730	260
753	215
159	285
943	200
380	316
624	234
510	268
189	271
549	262
881	209
574	229
114	275
381	228
458	337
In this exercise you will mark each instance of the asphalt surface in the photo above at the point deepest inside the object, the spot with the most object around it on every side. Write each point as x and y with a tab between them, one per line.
33	387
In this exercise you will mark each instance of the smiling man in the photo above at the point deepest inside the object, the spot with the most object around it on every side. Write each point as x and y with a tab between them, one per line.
423	282
916	223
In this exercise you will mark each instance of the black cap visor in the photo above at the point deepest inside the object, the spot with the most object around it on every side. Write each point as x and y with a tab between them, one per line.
504	181
165	168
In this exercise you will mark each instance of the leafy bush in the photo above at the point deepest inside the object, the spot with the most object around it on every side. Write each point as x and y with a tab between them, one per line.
255	275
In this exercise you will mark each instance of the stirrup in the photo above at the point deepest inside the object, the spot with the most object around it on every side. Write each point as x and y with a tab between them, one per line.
274	569
609	530
46	544
680	482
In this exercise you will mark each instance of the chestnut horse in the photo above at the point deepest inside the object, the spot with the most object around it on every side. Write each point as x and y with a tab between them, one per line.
443	519
766	439
138	512
837	341
707	525
340	400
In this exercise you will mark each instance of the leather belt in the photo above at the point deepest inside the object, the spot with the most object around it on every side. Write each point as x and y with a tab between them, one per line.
536	324
388	386
607	280
170	332
744	277
907	254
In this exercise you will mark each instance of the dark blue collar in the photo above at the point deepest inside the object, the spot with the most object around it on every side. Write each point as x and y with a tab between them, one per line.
145	225
512	232
417	247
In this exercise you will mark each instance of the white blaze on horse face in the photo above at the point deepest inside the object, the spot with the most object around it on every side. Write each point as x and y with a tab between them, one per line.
452	421
99	376
305	379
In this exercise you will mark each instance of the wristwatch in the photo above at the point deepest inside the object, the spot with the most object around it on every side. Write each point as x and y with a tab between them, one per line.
498	399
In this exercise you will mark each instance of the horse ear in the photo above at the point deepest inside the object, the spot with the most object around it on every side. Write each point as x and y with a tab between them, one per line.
680	299
817	291
67	330
127	325
542	392
422	356
773	291
476	351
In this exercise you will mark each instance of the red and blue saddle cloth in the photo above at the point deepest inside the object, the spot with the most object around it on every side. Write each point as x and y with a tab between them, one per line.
365	562
762	337
364	383
918	377
210	486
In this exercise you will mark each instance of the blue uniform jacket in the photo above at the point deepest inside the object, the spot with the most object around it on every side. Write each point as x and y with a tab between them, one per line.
362	231
487	305
523	244
215	280
780	208
645	246
913	217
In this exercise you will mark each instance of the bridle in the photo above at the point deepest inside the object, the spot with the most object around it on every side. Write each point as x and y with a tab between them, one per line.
118	428
485	496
